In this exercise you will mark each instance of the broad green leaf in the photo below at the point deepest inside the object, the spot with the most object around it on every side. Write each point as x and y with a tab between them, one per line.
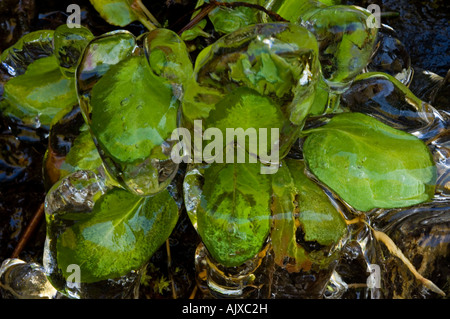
41	92
369	164
116	12
233	214
133	111
306	226
121	234
83	155
130	103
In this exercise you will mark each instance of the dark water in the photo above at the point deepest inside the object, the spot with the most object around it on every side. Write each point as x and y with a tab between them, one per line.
423	26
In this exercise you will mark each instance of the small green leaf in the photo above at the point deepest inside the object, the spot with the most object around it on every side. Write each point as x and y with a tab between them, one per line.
121	234
233	214
168	56
42	92
69	44
195	32
227	20
369	164
115	12
83	155
346	43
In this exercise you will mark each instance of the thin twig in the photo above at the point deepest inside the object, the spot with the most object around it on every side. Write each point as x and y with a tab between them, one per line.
148	13
34	223
398	253
204	11
169	268
194	292
137	7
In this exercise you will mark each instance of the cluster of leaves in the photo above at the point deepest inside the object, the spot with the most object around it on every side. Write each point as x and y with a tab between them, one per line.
130	91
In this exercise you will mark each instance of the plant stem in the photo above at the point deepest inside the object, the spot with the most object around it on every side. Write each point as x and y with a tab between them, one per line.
35	221
398	253
204	11
144	15
169	268
394	250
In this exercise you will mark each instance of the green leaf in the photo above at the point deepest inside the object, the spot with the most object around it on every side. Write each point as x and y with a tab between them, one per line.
246	109
83	155
116	12
41	92
168	56
121	234
27	49
195	32
69	44
133	111
233	213
306	226
369	164
294	10
346	43
227	20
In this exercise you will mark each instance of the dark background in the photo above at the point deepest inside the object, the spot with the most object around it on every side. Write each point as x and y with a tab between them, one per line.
423	27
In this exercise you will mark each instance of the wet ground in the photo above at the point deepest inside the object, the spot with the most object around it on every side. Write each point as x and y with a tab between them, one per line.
423	26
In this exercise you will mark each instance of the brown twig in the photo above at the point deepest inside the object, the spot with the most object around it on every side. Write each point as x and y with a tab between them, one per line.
34	223
169	268
204	11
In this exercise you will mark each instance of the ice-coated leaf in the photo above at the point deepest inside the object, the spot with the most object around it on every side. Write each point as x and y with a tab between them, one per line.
133	111
121	234
168	56
385	98
131	103
369	164
29	48
83	155
116	12
346	43
232	214
69	44
227	20
41	92
306	225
